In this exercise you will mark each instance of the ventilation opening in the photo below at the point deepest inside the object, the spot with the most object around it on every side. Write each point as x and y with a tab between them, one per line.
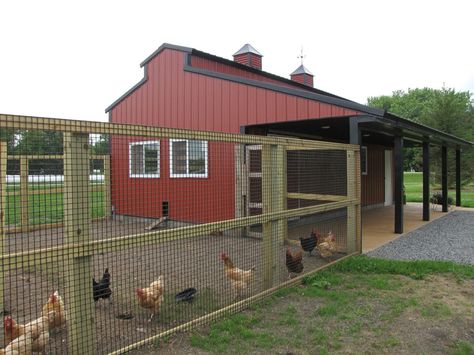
165	209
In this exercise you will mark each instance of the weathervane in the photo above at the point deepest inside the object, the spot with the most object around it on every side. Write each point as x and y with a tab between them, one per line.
301	56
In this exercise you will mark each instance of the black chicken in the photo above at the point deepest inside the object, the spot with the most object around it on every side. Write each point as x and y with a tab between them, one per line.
102	289
309	243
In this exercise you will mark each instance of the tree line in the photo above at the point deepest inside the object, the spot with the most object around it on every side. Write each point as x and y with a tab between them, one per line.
444	109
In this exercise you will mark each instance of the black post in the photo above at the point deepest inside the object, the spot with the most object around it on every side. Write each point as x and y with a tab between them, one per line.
426	181
444	177
398	145
458	177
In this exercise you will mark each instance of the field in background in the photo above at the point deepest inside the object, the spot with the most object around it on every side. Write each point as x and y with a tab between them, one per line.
414	190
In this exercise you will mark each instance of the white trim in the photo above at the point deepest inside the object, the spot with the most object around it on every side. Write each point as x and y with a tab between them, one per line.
362	150
143	143
188	175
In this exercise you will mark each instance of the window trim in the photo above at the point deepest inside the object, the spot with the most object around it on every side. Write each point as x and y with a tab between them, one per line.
187	174
363	151
144	175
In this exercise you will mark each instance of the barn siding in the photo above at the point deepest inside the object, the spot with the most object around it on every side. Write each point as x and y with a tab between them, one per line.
171	97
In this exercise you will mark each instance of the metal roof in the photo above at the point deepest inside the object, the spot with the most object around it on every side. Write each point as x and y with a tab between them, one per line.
247	48
302	70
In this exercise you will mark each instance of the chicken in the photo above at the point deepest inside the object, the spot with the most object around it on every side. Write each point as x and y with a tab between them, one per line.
36	327
39	344
102	289
239	279
58	317
151	297
327	245
19	346
294	261
309	243
11	330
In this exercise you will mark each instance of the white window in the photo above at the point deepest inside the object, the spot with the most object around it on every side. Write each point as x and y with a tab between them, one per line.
363	160
144	159
188	158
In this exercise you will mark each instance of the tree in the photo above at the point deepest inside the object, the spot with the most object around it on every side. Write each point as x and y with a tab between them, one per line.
446	110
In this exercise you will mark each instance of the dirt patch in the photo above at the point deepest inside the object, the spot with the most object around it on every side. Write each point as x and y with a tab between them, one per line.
193	262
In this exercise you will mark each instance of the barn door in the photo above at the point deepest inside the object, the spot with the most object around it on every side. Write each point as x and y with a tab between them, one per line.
254	203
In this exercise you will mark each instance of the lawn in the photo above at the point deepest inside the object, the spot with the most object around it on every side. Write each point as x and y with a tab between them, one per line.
414	190
46	207
360	305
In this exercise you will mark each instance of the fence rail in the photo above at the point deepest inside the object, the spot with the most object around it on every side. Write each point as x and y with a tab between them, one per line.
195	198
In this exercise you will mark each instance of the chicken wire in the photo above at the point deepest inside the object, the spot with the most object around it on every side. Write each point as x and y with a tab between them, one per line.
155	221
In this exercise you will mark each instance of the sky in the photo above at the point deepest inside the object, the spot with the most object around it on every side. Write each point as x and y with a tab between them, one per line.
72	59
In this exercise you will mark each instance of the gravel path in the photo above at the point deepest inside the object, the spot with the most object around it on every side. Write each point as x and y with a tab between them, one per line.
448	238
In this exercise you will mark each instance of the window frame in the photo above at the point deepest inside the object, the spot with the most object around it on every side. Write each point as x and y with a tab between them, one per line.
144	175
363	151
187	174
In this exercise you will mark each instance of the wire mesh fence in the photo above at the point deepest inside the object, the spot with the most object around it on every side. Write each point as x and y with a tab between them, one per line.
113	235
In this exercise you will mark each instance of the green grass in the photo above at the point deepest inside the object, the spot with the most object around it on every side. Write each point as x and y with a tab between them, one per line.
414	190
353	298
48	207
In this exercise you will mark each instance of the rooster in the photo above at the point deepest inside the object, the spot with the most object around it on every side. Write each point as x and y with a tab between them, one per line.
151	297
294	261
55	303
309	243
239	279
102	289
327	245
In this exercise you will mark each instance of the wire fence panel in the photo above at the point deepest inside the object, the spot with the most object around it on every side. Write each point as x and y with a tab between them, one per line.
114	235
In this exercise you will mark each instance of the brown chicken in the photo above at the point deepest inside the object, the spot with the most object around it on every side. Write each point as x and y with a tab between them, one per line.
23	345
151	297
56	311
39	344
294	261
327	245
37	328
239	279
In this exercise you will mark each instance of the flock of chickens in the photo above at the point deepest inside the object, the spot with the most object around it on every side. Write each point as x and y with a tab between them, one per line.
34	336
326	246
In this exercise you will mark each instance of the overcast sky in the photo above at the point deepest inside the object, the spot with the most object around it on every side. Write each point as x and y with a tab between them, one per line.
72	60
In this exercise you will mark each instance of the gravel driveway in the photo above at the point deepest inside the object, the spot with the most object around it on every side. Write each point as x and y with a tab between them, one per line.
448	238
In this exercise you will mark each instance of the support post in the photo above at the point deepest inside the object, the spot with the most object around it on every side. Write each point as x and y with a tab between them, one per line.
3	216
458	177
444	177
76	226
355	137
240	188
398	143
24	193
273	198
351	210
107	192
426	181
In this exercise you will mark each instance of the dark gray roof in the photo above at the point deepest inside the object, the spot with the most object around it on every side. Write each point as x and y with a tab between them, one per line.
247	48
302	70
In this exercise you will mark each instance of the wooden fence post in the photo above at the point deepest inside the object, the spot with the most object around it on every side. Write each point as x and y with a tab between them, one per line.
351	210
3	216
358	207
24	193
240	184
274	199
76	226
107	192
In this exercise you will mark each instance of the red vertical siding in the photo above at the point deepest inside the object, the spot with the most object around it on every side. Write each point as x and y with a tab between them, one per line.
174	98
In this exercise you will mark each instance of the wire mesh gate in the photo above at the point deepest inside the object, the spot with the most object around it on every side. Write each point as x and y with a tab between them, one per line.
171	247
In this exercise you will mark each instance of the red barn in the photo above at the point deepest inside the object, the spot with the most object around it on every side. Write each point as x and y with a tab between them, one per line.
190	89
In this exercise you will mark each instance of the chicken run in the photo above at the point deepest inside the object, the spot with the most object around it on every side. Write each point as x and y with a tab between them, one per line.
137	292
